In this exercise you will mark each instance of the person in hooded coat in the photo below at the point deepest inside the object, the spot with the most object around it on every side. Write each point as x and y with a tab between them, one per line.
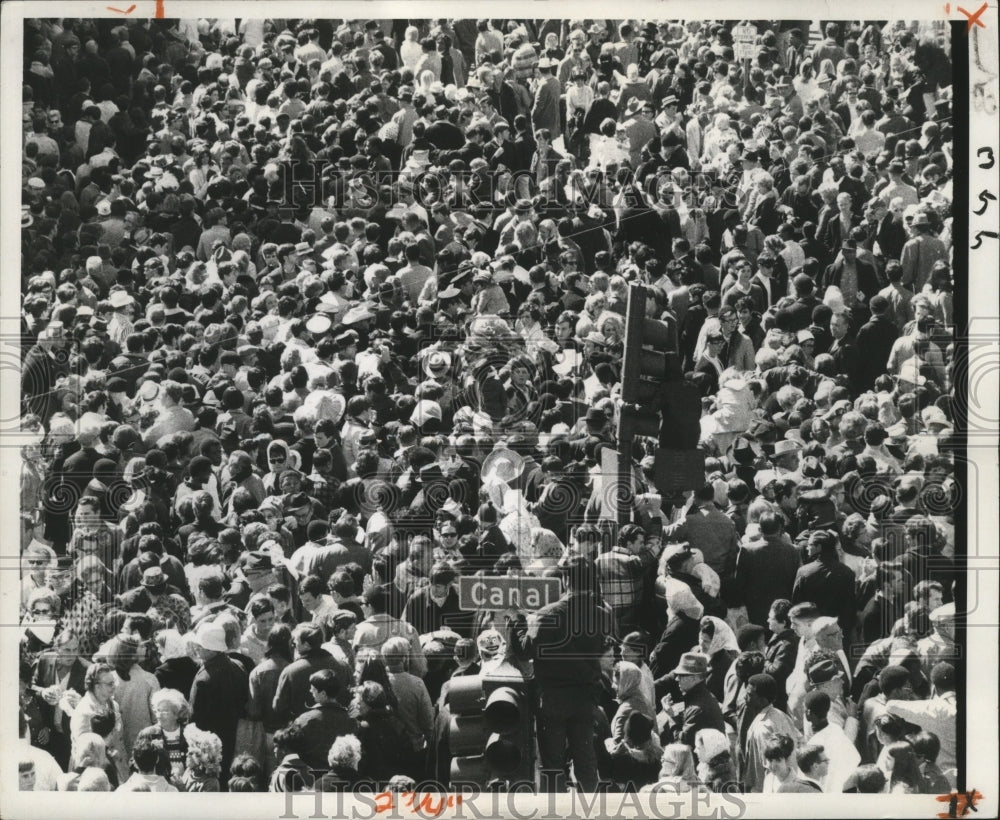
717	640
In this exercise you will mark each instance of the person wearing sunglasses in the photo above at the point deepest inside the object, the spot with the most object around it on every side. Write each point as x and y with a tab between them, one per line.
42	605
278	460
446	548
37	559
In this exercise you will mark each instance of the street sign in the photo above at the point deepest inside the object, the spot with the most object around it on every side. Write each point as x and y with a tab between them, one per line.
524	592
745	42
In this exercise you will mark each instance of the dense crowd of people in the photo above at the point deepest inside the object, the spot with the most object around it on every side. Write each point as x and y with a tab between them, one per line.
320	317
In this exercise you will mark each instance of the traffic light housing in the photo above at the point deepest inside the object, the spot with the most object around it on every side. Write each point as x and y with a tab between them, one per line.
491	728
657	401
647	343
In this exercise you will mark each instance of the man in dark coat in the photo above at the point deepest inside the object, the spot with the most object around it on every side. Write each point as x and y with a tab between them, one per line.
566	641
765	569
292	696
701	710
845	353
781	650
866	277
42	366
220	691
875	338
54	665
545	109
435	606
324	722
826	582
799	313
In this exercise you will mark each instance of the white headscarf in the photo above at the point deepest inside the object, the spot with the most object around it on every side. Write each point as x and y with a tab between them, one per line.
723	636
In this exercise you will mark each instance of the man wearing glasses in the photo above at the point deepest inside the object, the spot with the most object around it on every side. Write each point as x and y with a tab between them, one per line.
446	548
37	559
737	350
813	768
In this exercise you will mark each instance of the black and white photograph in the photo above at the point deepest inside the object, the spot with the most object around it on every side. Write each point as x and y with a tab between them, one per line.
423	415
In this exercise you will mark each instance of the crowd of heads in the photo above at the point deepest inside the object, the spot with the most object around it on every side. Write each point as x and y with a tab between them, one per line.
320	317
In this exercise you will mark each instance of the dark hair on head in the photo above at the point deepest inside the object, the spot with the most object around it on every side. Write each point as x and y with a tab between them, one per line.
807	757
212	586
313	585
779	747
260	606
279	642
927	745
290	739
943	676
373	669
147	753
905	767
325	681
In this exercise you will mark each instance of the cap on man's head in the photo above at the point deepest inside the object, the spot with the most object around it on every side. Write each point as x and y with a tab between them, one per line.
822	672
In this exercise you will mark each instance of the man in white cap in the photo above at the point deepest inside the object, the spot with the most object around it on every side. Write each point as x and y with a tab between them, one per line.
220	690
120	325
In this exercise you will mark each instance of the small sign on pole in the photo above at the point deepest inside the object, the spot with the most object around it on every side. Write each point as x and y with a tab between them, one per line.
524	592
745	42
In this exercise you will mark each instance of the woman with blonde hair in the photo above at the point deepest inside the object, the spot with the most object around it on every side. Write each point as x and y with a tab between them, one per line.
88	755
426	81
172	712
677	770
203	759
410	49
344	759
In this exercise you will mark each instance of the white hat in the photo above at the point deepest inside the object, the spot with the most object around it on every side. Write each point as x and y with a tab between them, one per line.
805	336
211	636
104	208
935	415
502	464
358	313
710	743
437	363
319	323
763	478
120	299
53	330
424	410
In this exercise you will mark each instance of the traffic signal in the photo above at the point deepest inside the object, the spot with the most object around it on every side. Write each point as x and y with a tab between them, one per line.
657	401
491	730
647	343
